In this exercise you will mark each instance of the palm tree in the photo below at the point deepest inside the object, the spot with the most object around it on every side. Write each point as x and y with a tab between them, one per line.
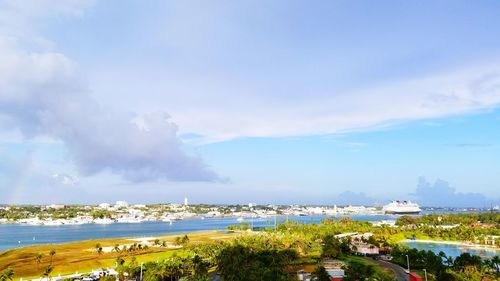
494	263
321	274
7	274
48	270
52	254
38	259
98	248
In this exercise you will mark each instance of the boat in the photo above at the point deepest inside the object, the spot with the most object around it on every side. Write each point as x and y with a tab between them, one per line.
402	208
103	221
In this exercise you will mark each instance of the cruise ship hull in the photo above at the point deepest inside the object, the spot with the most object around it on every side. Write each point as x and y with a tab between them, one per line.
402	208
402	212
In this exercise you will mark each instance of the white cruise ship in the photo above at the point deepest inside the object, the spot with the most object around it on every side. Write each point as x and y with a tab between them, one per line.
401	208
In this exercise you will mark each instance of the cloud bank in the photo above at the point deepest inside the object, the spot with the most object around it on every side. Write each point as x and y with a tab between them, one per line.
42	94
327	69
436	95
441	194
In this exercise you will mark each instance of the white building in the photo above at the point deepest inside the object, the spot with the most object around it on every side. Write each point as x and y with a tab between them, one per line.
56	206
213	214
104	206
121	204
185	201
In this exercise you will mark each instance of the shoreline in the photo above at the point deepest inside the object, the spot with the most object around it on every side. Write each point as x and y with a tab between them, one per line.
120	238
456	243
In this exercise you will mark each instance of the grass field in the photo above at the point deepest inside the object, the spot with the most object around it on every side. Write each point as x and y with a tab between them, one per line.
367	261
82	256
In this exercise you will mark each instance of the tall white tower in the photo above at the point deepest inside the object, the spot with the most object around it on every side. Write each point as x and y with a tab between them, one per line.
185	201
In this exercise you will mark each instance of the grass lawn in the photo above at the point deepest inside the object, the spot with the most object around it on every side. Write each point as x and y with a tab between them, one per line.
367	261
82	256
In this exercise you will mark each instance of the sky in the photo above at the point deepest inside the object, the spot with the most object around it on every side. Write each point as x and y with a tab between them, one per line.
273	102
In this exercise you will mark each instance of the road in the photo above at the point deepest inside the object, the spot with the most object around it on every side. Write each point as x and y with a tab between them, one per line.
400	272
215	276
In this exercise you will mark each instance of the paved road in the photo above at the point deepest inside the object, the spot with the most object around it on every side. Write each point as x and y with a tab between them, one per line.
400	272
215	277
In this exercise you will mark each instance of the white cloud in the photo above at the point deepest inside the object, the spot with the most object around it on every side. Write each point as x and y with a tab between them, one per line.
65	179
229	71
42	94
232	112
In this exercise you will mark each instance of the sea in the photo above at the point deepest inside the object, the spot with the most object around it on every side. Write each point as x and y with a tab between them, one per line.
21	235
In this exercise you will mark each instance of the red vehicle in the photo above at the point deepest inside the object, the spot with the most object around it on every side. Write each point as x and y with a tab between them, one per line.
414	277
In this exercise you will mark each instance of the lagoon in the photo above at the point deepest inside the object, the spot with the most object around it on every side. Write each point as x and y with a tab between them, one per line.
451	249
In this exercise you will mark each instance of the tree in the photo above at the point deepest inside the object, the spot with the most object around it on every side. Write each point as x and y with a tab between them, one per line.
6	275
243	263
98	248
467	261
332	247
119	261
320	274
494	264
405	220
358	271
185	240
199	269
181	241
38	259
48	271
52	253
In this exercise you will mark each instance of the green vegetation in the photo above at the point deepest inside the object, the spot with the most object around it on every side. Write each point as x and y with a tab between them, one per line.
268	254
362	269
8	274
450	219
14	213
441	267
33	261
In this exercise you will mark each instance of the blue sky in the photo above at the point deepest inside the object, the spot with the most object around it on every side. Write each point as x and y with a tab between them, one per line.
235	101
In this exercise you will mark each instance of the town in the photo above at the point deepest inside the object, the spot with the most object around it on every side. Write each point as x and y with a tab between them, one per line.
123	212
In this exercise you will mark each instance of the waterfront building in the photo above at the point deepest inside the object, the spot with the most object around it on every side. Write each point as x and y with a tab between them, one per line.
104	206
121	204
56	206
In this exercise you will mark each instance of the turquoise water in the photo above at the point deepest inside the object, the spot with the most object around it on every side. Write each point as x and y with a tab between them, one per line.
16	235
452	250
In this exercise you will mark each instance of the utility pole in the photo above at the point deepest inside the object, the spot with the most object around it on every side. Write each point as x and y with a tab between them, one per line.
408	262
275	223
425	273
141	271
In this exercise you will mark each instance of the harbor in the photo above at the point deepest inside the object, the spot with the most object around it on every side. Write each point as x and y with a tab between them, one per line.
21	235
